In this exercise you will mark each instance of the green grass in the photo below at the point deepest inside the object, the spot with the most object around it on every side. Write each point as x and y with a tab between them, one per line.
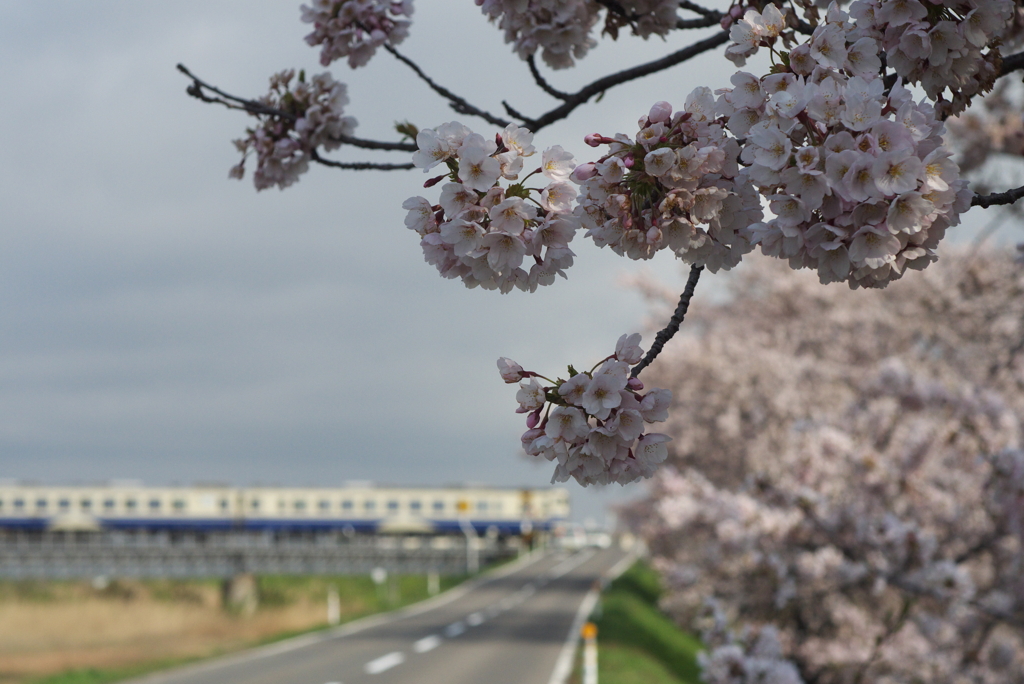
636	641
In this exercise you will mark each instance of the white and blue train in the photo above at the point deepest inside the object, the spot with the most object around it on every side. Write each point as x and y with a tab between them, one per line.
357	508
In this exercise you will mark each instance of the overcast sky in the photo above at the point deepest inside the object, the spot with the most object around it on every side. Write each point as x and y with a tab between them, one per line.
162	322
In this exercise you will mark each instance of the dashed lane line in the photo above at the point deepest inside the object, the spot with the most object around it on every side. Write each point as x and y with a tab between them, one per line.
455	629
385	662
428	643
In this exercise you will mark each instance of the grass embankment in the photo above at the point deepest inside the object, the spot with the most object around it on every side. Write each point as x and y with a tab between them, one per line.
69	632
637	643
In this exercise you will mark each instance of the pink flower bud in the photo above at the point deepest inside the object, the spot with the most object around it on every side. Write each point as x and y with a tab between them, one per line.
594	139
736	11
661	111
628	161
533	419
634	384
434	181
584	172
726	22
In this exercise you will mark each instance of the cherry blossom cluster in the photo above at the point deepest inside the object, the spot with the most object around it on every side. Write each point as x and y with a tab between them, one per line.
592	424
676	185
561	29
754	655
484	233
311	116
355	28
858	179
939	44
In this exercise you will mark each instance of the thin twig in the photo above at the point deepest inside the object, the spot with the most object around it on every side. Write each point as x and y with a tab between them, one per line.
603	84
703	22
543	84
672	328
455	102
257	108
703	11
231	101
375	144
359	166
1008	197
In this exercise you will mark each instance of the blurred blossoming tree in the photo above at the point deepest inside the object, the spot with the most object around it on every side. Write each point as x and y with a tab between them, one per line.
845	497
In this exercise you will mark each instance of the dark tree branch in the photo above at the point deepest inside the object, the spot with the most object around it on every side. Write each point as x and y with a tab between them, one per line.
697	9
1008	197
455	102
376	144
603	84
672	328
543	84
703	22
257	108
359	166
709	17
230	101
1011	63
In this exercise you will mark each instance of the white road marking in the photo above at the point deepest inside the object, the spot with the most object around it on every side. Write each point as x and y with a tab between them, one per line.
385	662
454	629
493	610
474	619
570	563
428	643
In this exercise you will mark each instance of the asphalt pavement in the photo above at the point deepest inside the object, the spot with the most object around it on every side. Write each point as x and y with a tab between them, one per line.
511	626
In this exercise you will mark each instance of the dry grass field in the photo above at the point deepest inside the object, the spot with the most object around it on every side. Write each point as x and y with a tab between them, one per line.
53	627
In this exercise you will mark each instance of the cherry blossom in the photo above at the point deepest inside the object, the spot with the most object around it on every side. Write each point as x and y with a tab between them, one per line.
485	234
592	424
676	186
355	28
283	144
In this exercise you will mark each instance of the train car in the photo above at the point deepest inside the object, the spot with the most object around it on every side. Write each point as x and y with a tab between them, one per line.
352	509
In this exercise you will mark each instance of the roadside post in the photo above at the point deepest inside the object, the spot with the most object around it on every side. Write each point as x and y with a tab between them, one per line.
589	634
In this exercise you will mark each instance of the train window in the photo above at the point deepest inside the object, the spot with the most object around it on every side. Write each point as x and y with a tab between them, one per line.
325	505
64	504
370	504
41	503
130	504
415	505
254	504
86	504
481	506
19	504
1	504
438	506
346	504
109	504
299	505
392	507
154	504
223	504
179	505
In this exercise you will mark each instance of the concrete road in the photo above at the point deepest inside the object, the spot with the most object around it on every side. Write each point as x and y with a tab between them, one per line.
509	627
